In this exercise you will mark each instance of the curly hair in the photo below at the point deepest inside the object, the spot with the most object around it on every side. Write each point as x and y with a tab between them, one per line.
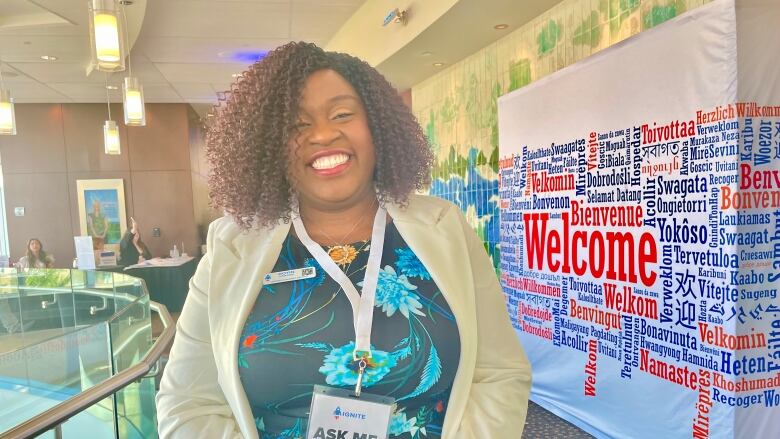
247	135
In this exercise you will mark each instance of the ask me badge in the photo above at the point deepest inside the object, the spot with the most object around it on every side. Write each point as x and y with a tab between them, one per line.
338	414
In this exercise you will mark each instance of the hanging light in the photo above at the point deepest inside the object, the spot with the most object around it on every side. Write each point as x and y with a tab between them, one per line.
108	45
110	130
132	90
111	138
133	100
7	118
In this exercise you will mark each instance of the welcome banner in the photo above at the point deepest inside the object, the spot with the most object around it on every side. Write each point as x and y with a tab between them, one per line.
640	230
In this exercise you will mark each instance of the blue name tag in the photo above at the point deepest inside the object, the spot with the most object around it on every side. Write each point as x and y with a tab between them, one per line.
289	275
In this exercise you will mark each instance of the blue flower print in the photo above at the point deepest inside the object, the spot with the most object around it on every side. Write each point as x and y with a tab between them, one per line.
410	265
395	293
400	425
340	369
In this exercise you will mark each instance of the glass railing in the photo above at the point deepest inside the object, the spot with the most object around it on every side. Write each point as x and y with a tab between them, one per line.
77	354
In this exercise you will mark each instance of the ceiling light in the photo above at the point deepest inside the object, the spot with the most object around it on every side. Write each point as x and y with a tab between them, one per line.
112	87
426	54
111	142
438	64
108	45
500	26
132	90
133	100
249	56
111	138
7	118
48	58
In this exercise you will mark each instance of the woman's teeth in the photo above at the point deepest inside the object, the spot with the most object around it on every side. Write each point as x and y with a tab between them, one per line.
329	162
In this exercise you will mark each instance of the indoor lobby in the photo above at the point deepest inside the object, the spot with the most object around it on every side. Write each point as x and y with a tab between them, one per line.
562	218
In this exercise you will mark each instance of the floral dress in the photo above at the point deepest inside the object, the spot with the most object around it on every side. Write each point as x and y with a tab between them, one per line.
301	333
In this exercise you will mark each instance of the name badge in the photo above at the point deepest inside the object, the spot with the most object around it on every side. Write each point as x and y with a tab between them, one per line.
289	275
338	413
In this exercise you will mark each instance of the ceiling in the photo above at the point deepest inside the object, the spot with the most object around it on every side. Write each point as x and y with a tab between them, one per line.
466	28
188	50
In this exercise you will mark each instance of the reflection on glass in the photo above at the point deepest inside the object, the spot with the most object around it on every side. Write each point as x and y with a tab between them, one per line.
64	331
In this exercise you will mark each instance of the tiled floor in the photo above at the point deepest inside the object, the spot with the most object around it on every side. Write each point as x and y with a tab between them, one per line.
541	424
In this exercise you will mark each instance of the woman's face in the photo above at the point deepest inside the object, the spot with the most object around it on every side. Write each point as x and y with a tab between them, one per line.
35	246
332	155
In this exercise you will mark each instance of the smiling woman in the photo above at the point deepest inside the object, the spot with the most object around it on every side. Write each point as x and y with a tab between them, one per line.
278	101
365	285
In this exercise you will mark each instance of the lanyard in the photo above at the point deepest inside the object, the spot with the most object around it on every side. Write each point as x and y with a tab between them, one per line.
362	304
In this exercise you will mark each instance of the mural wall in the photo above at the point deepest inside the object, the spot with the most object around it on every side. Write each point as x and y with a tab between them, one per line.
458	108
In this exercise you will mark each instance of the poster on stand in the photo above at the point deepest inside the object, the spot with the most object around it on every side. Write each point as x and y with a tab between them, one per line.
640	234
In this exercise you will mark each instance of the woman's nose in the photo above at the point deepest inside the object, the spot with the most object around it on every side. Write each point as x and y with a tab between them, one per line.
323	133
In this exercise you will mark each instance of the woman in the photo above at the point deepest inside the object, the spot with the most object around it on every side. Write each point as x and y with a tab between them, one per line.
35	256
97	225
131	249
338	193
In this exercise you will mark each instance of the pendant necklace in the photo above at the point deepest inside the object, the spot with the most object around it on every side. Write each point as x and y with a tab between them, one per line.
341	251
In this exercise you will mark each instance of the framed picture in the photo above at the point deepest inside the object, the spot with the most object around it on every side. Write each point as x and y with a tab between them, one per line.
102	211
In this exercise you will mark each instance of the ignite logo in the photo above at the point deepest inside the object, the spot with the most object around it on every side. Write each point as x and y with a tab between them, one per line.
346	414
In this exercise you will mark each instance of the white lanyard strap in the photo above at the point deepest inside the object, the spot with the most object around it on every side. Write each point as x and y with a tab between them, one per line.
362	304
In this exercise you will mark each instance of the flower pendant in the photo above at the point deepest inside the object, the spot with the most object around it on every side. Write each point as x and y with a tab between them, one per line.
342	254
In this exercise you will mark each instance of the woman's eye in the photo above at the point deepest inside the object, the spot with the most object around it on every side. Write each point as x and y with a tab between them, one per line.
301	125
342	115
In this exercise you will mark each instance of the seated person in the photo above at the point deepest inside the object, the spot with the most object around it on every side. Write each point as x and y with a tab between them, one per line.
131	249
35	256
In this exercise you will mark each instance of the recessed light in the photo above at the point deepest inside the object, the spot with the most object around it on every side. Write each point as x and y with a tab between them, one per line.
438	64
245	56
500	26
48	58
426	54
112	87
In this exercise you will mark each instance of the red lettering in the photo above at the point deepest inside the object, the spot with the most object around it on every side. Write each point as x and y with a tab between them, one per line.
610	254
766	179
553	248
579	269
534	244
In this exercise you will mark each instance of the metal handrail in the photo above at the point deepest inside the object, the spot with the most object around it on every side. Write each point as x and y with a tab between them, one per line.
67	409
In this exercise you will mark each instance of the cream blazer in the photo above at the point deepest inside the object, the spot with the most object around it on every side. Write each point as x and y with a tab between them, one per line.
201	395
